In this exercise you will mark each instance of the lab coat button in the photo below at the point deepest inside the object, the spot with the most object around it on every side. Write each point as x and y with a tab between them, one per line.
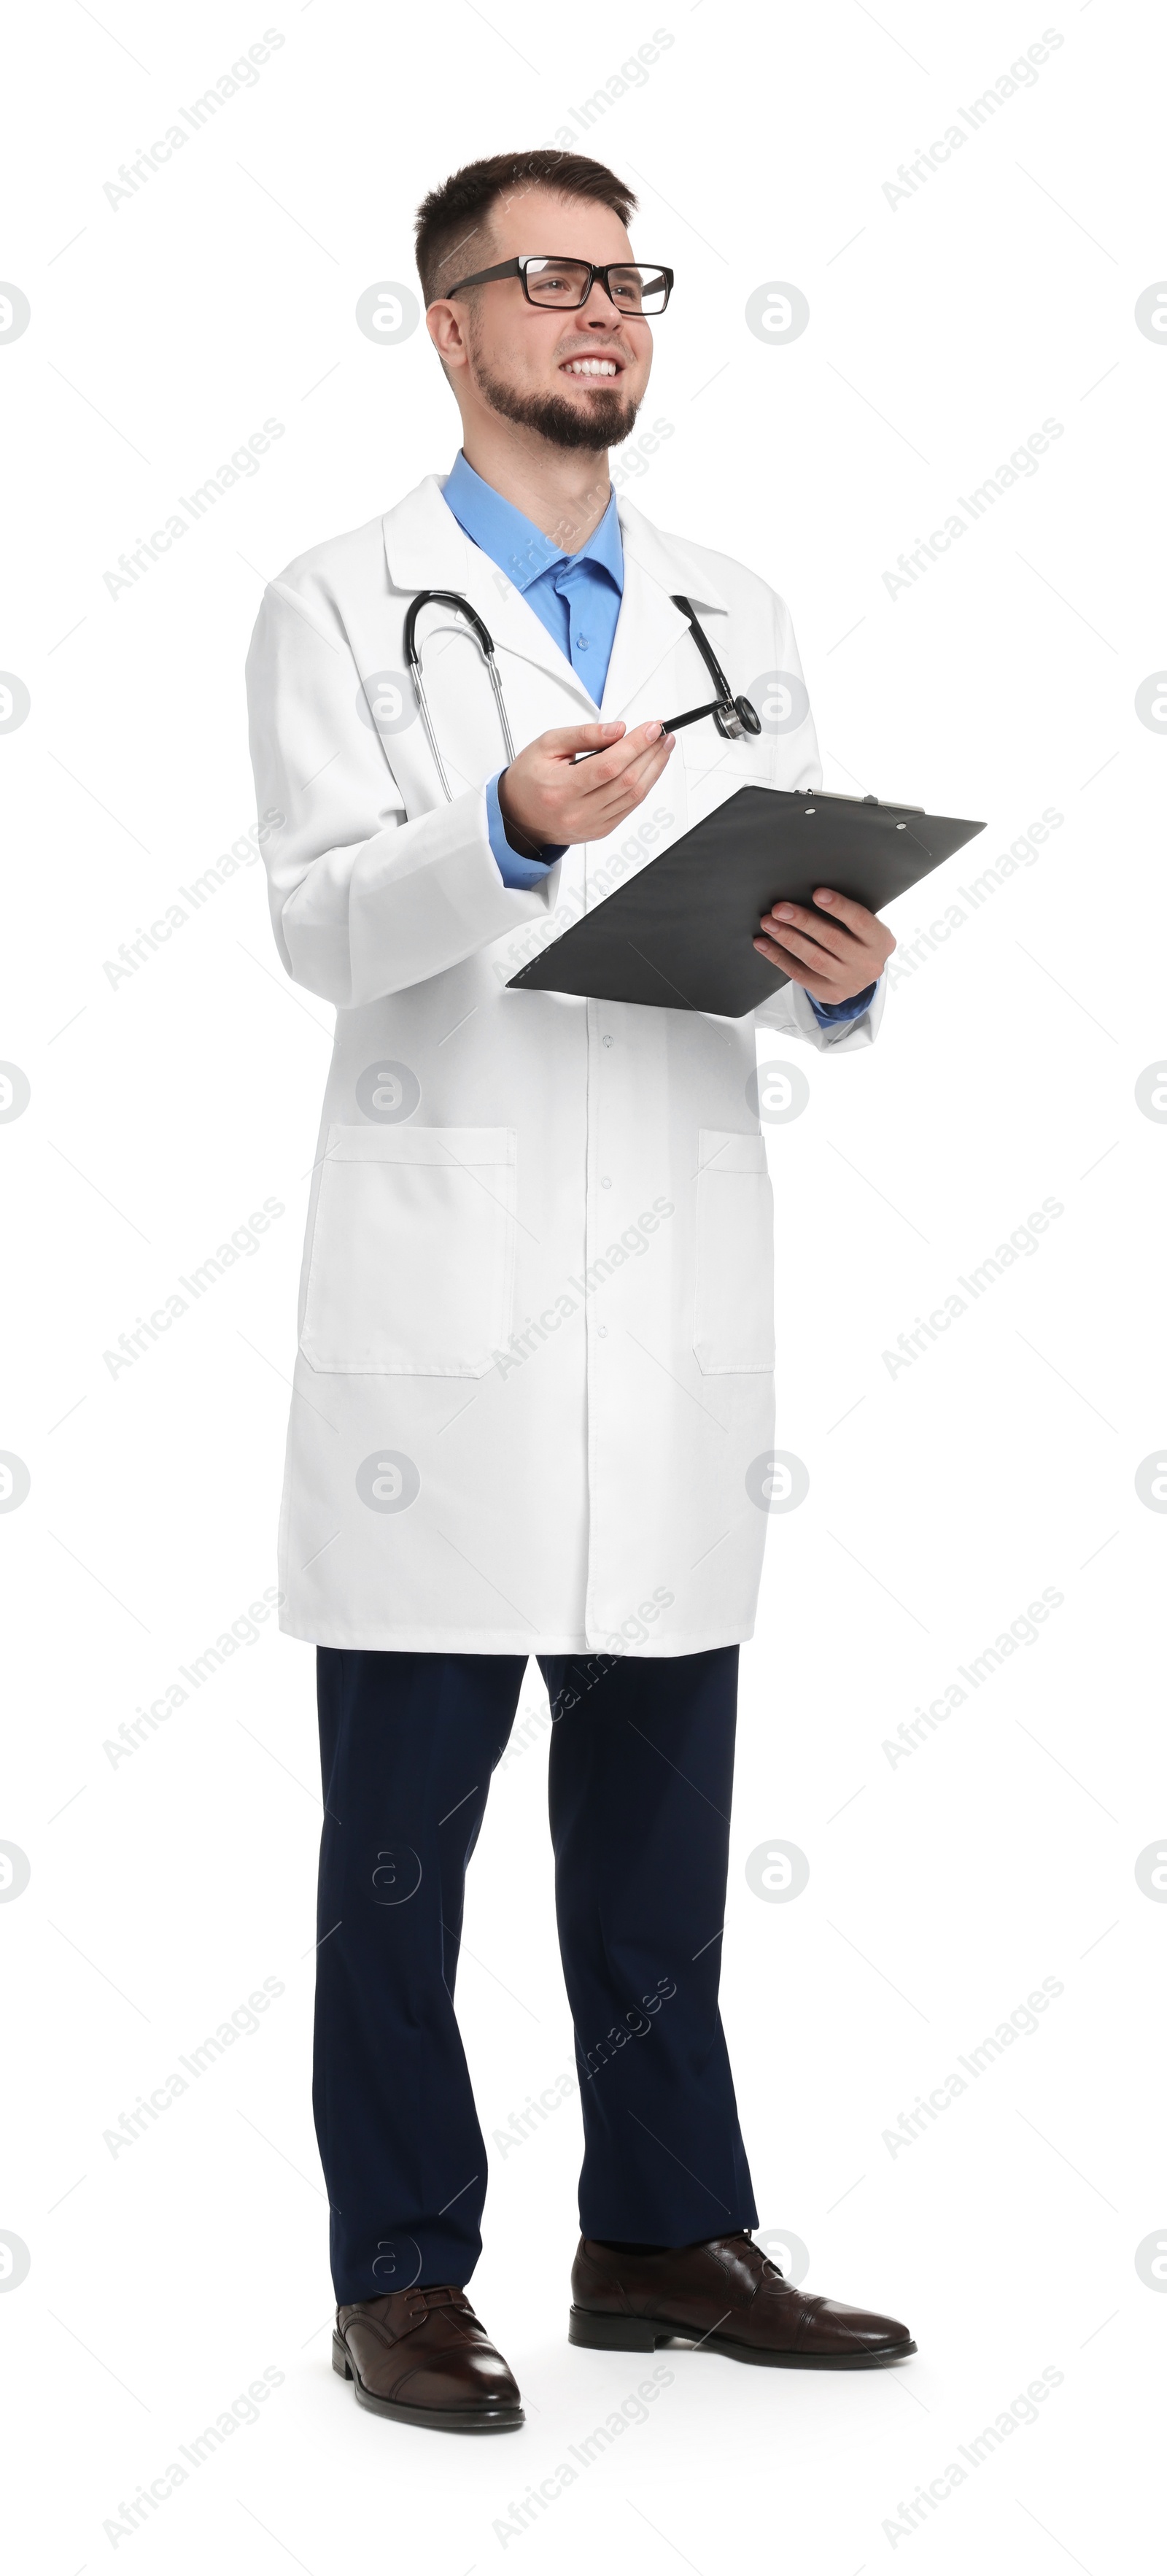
605	1184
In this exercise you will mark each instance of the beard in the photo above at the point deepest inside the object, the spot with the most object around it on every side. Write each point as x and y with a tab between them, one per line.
609	419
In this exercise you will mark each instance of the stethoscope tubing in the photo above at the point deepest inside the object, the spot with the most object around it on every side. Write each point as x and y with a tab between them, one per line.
732	716
452	599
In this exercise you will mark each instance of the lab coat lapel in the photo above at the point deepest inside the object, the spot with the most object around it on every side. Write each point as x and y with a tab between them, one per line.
649	627
427	549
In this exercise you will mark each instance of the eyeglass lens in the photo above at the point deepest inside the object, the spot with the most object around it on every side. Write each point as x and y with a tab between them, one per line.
565	281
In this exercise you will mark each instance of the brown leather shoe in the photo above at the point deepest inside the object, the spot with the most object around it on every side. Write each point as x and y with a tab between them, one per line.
727	2296
422	2357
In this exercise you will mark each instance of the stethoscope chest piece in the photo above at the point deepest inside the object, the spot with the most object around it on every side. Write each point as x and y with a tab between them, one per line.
733	717
743	719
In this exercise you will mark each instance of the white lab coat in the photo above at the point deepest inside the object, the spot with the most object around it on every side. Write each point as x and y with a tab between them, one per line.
536	1325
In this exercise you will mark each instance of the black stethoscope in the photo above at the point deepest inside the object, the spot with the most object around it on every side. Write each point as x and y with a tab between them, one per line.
732	716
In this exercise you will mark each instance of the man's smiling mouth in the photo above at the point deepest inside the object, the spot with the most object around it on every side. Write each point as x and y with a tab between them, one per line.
607	367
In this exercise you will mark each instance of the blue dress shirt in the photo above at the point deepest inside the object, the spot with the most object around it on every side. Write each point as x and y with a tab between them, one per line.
577	598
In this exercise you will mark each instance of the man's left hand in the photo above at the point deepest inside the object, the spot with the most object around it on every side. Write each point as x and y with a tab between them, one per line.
833	959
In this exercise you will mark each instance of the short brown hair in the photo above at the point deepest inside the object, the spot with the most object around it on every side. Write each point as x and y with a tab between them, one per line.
455	216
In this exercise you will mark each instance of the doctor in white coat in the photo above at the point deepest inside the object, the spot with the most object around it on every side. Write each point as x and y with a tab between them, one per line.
533	1401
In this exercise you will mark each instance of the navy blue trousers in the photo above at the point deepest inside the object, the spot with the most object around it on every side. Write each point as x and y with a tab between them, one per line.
640	1783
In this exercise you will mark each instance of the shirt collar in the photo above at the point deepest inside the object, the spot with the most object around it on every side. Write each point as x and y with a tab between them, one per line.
514	543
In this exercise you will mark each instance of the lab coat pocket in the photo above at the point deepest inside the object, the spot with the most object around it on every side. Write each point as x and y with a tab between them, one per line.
733	1314
413	1249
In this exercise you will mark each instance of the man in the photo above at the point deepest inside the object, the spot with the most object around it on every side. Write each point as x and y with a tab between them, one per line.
533	1395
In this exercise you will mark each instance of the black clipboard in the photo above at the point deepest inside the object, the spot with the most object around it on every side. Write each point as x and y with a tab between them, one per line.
678	935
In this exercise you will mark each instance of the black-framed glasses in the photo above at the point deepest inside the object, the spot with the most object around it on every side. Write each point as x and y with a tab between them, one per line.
567	283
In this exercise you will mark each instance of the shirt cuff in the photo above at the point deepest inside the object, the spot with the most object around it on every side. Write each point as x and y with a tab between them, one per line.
513	868
828	1013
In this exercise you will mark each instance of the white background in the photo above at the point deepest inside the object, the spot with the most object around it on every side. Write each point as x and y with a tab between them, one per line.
166	1885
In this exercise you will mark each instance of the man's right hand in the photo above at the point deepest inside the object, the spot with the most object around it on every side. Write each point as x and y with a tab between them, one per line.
549	798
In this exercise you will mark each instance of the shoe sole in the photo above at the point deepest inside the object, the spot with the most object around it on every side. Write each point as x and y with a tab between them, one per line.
499	2419
643	2334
